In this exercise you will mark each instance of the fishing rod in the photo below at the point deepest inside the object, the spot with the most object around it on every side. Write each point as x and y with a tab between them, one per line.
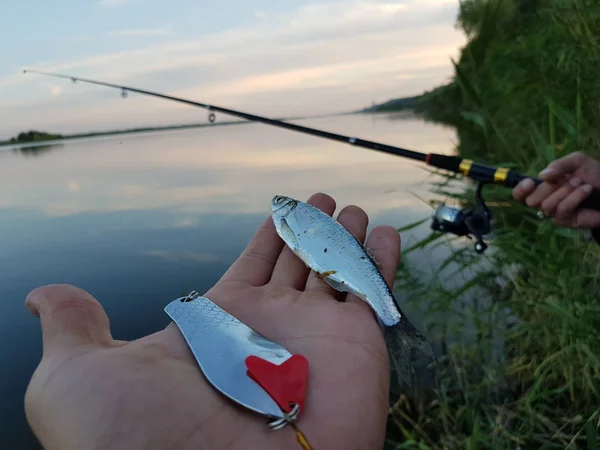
473	223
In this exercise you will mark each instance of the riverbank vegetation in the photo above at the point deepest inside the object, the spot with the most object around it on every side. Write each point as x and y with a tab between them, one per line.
397	104
522	367
32	136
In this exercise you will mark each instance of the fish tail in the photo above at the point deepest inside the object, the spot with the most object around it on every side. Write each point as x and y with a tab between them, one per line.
401	339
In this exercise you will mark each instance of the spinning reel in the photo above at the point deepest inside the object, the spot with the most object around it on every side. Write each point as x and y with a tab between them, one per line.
473	223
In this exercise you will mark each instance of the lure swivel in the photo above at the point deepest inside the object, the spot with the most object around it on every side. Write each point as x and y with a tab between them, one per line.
473	223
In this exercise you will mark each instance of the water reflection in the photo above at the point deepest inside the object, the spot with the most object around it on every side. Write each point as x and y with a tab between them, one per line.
208	175
36	150
140	220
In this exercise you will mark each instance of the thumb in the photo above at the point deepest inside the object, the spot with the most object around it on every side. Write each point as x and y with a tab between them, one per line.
557	169
70	317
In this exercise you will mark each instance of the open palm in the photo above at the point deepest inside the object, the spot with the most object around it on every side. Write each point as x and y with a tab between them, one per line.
90	391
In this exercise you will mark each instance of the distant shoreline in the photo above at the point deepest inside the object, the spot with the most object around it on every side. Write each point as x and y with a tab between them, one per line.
42	137
51	137
394	105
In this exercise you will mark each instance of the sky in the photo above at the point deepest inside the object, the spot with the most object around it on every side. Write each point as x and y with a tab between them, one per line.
278	58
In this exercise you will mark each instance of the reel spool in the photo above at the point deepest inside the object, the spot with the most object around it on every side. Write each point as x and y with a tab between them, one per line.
472	223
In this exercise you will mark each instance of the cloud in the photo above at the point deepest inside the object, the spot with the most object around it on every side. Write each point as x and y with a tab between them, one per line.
73	186
109	3
333	21
132	190
140	32
325	57
392	8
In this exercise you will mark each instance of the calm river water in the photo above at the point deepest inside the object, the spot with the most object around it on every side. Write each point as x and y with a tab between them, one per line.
138	220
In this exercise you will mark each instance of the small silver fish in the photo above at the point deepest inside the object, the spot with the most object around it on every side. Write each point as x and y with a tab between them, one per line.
329	249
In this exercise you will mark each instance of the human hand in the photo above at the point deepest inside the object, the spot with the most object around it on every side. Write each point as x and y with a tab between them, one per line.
91	391
567	182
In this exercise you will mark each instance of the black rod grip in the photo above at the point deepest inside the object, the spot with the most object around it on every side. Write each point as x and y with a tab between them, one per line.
592	202
486	173
445	162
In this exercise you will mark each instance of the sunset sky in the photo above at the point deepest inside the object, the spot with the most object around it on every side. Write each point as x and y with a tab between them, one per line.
277	58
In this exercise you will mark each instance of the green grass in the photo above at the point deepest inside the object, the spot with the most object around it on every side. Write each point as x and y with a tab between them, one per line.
397	104
32	136
518	326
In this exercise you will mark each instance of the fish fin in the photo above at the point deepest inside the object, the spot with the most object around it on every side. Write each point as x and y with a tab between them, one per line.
288	235
291	241
322	275
401	339
337	285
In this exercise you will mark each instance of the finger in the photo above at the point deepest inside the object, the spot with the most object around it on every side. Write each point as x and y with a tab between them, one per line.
255	265
70	318
355	220
568	206
541	192
289	269
550	204
384	242
585	218
563	166
523	189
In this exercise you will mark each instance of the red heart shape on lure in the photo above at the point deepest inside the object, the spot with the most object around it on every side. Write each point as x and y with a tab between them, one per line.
285	383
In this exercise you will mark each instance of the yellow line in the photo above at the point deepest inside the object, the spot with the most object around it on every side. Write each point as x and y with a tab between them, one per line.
500	175
301	438
465	166
302	441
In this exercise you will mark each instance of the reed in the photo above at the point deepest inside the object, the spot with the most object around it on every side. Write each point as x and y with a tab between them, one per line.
518	327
